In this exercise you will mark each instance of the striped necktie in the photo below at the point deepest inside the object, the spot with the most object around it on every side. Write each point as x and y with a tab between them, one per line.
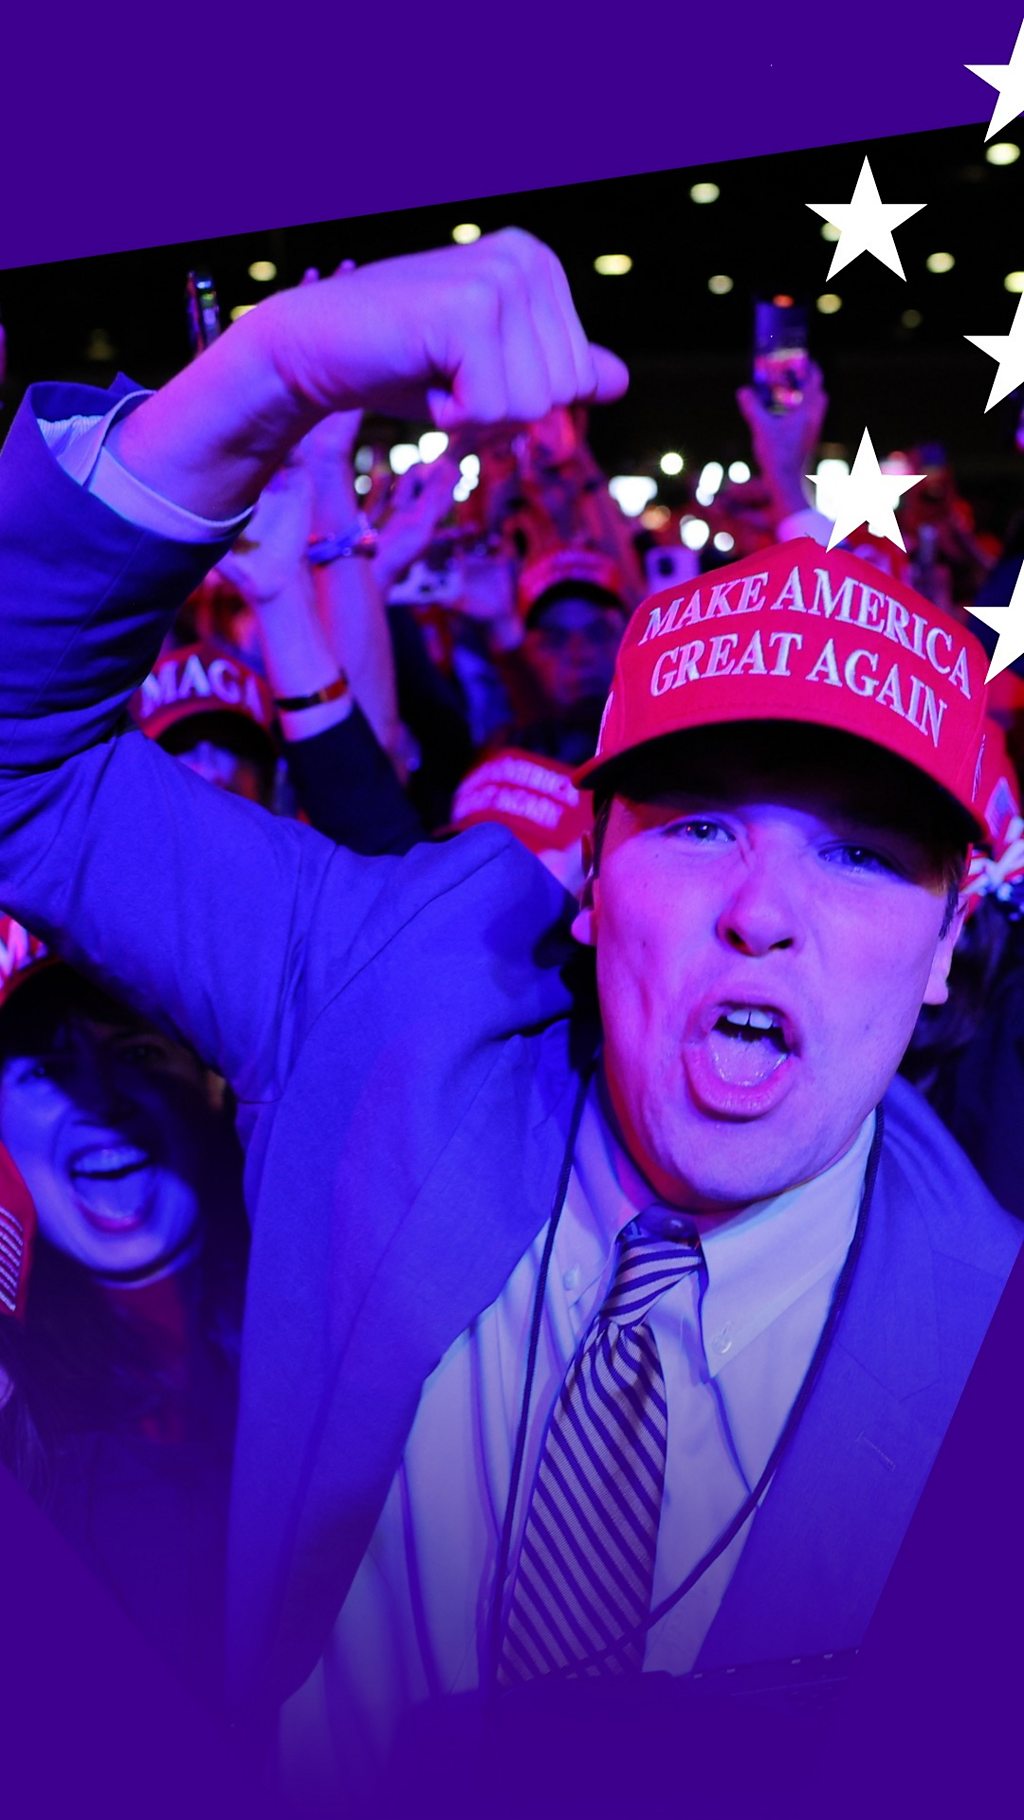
586	1567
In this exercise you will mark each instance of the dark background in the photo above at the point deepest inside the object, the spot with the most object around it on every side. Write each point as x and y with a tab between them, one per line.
687	349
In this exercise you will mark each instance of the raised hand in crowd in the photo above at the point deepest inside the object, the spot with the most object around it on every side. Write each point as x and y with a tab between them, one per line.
420	501
784	442
320	625
562	497
267	564
268	557
468	334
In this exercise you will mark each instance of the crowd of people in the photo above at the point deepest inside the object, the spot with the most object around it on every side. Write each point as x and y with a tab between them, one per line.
375	671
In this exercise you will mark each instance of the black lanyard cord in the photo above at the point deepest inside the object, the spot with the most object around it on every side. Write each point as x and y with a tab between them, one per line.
536	1322
838	1301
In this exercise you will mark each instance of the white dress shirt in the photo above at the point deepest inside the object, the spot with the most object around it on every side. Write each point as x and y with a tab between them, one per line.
78	443
735	1341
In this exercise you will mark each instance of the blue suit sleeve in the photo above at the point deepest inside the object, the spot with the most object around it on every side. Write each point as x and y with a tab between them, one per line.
185	902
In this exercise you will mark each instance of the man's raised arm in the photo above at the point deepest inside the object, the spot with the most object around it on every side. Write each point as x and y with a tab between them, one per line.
183	901
466	335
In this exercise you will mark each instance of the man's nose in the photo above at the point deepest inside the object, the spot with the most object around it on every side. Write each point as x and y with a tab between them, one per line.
762	912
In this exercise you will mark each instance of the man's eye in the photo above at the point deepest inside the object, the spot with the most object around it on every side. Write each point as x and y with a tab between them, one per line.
859	859
699	832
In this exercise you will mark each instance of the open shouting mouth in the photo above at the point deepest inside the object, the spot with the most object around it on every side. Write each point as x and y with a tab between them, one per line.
113	1185
741	1058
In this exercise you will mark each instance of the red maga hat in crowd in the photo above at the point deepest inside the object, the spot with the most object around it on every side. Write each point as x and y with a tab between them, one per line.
201	679
565	568
796	633
534	797
17	1232
21	954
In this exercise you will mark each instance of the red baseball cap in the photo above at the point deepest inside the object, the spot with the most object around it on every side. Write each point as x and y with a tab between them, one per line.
201	679
534	797
21	955
798	633
562	569
17	1233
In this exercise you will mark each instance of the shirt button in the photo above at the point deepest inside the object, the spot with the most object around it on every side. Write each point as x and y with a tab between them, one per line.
722	1342
571	1277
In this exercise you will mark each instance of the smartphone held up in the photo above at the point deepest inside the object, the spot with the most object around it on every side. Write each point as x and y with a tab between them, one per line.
781	357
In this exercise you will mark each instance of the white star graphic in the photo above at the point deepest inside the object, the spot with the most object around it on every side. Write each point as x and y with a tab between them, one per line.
866	496
1009	623
1008	81
866	224
1009	351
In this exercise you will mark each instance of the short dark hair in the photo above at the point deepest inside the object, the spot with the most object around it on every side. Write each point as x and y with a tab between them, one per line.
43	1003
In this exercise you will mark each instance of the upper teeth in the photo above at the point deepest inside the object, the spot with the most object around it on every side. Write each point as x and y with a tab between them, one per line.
109	1159
760	1020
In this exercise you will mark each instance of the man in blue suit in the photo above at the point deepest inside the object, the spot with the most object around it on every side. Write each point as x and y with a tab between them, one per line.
464	1460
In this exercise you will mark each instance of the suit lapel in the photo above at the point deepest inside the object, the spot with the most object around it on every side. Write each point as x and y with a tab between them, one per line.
812	1568
484	1202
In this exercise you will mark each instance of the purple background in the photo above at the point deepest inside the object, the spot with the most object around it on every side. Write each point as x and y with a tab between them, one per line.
126	129
129	129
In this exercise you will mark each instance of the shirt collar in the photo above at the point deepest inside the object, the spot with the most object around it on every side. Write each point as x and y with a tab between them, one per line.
758	1261
763	1259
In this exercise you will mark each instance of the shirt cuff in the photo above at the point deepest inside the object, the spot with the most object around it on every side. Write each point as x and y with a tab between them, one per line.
808	523
78	444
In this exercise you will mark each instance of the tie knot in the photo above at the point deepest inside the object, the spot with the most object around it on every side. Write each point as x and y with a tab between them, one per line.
648	1265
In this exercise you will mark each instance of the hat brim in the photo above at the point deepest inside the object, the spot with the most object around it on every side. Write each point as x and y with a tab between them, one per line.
601	773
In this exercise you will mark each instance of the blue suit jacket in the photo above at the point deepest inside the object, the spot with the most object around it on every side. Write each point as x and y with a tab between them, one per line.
402	1041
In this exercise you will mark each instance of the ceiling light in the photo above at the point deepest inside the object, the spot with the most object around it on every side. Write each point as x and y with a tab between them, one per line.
632	492
712	475
432	444
403	456
694	533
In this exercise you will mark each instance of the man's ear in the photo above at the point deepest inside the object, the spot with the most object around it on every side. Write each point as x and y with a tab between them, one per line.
584	923
936	991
